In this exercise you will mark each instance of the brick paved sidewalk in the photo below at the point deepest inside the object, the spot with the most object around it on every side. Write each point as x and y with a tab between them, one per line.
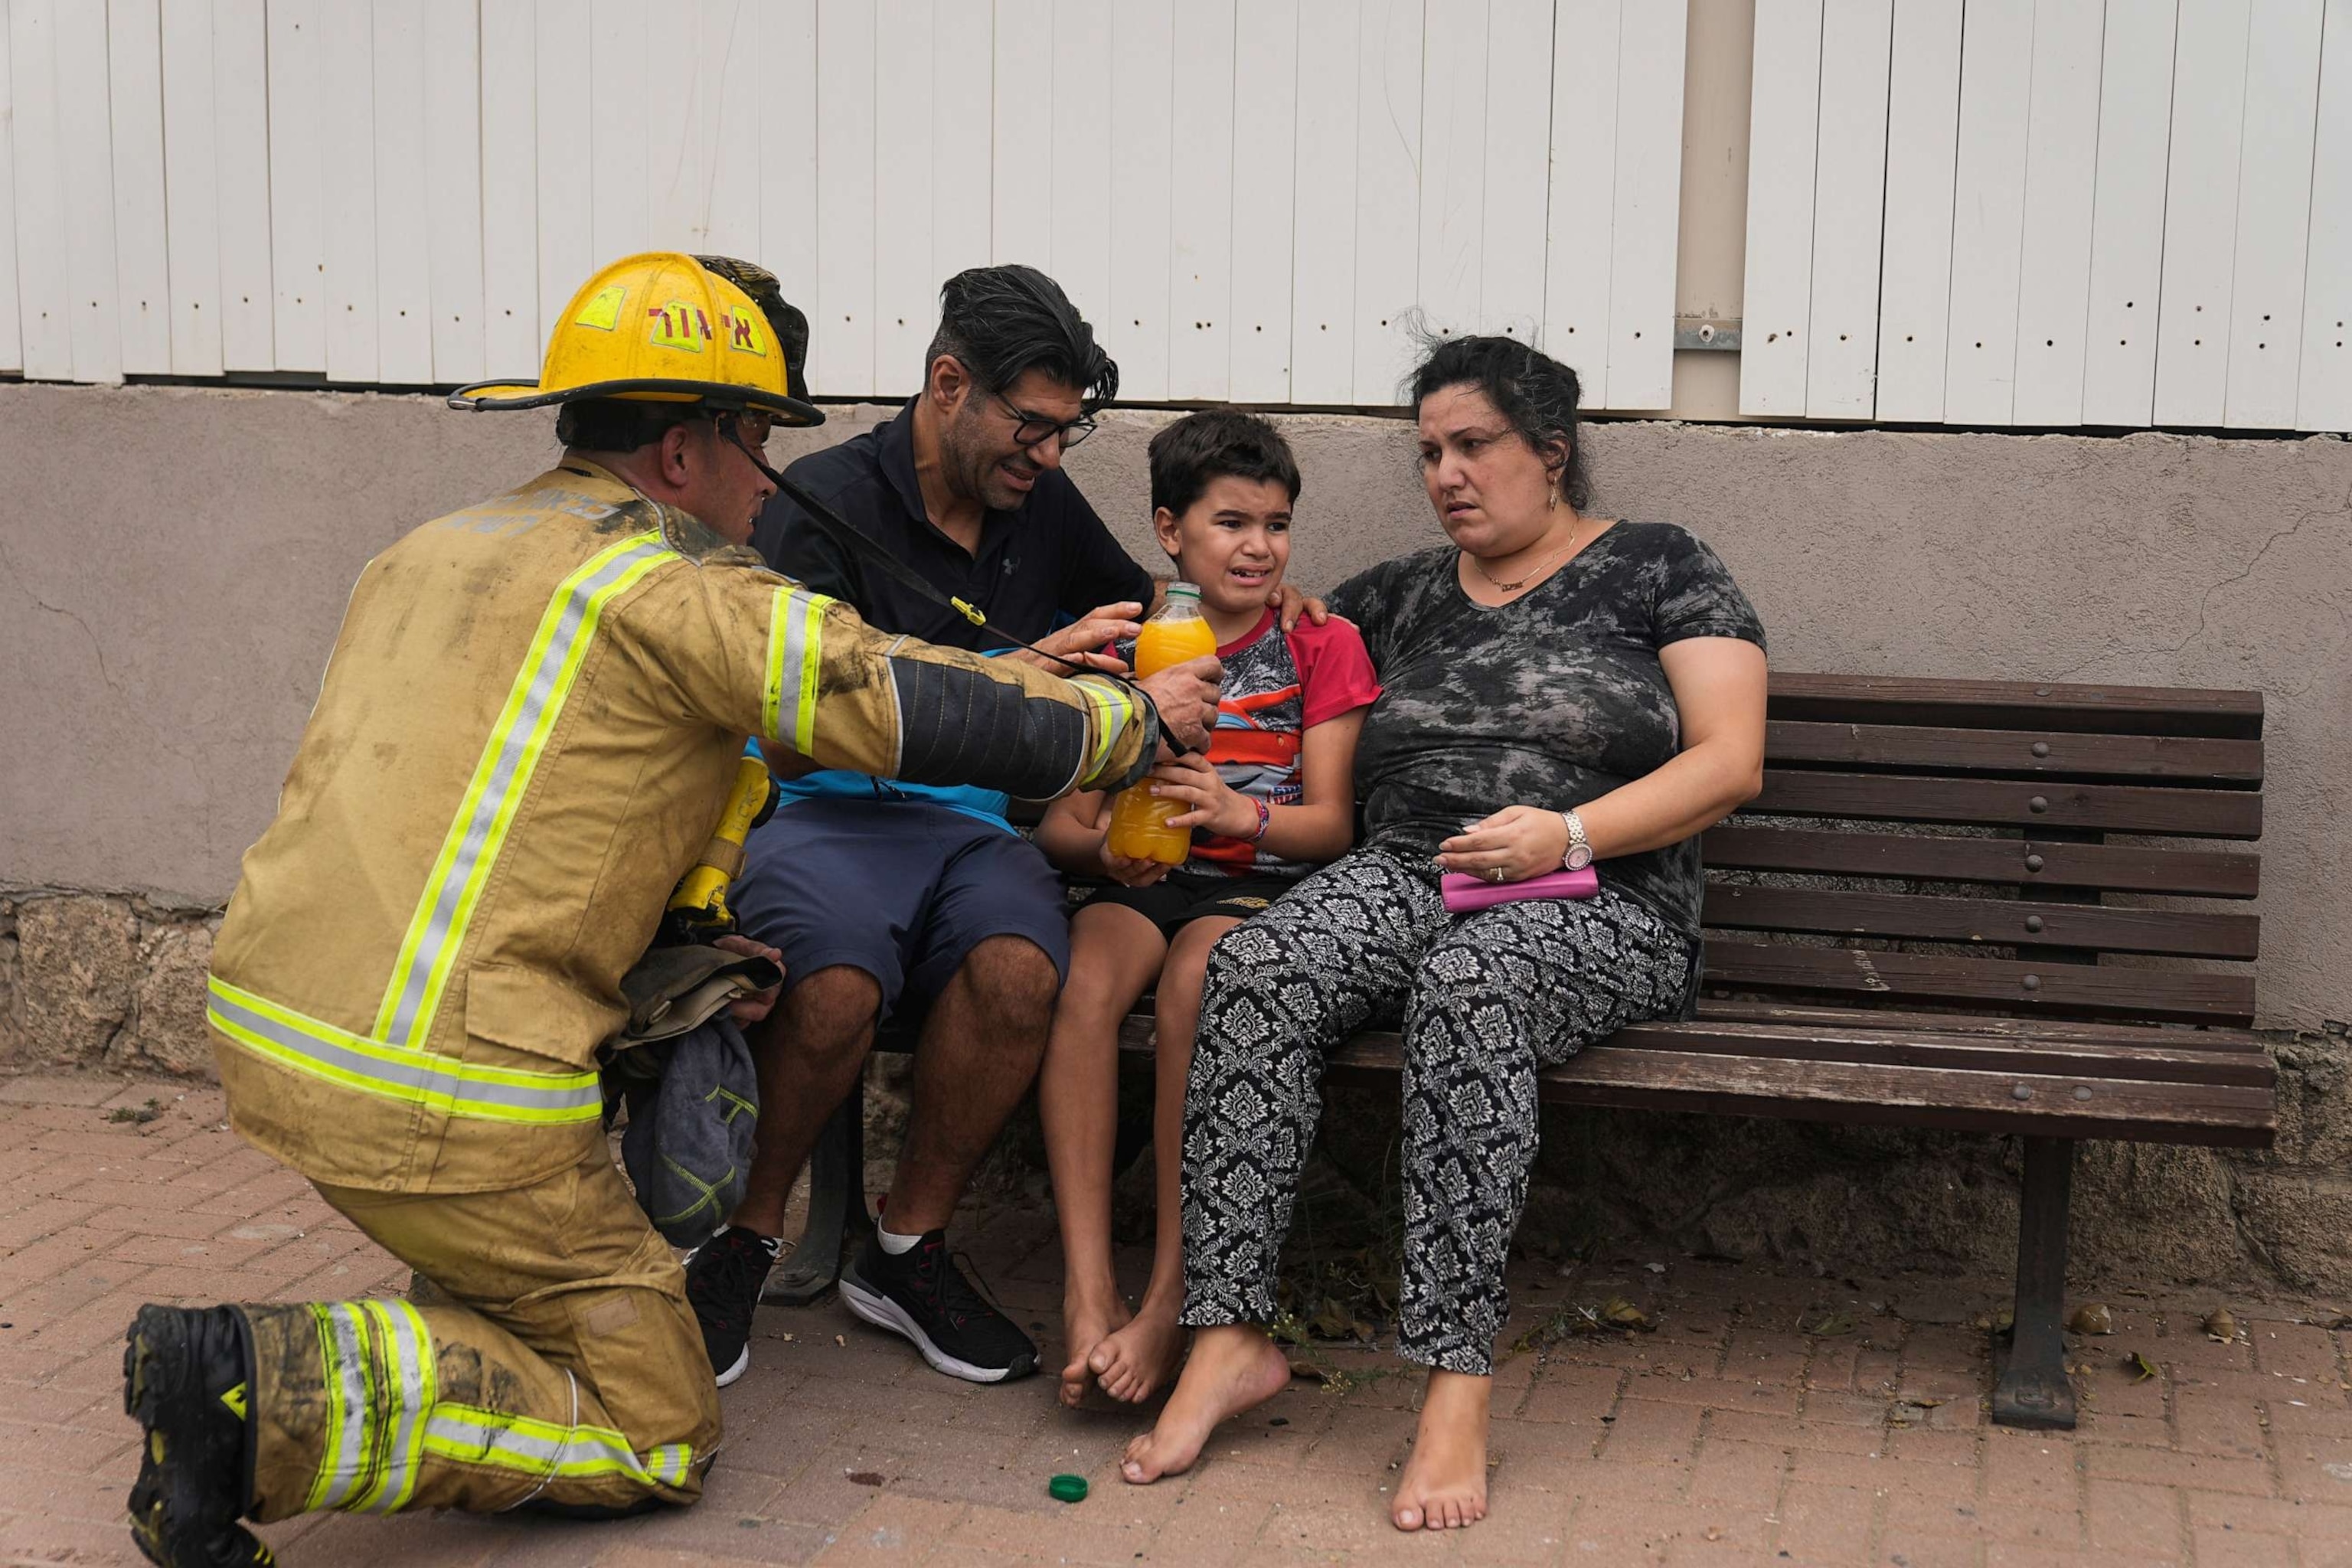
1726	1437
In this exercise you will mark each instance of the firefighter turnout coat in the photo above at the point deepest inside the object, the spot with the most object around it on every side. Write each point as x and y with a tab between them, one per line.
525	736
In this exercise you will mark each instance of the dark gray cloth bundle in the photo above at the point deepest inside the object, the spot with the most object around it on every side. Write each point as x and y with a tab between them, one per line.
693	1094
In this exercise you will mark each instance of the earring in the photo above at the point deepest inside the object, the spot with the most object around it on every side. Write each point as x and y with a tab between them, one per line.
1551	500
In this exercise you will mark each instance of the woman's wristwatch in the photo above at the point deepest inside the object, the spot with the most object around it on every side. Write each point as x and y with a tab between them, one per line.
1580	849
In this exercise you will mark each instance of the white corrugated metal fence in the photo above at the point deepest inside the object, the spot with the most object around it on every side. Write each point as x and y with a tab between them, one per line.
2040	212
2052	213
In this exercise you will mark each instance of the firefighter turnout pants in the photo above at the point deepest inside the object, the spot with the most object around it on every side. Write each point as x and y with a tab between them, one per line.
565	1367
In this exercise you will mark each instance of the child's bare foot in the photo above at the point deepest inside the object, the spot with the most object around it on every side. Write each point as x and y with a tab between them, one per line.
1232	1367
1444	1483
1086	1323
1137	1361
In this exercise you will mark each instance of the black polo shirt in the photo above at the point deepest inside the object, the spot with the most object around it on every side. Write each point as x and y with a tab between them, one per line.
1043	564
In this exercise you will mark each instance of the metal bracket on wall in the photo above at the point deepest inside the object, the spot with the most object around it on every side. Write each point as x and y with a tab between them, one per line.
1707	333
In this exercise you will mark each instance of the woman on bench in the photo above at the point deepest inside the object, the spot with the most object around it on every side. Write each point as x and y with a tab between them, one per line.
1560	689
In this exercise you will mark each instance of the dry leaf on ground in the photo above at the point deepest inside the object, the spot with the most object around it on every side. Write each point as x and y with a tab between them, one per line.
2221	1325
2092	1318
1624	1314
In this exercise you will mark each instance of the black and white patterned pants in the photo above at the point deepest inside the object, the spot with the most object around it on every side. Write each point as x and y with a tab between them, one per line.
1487	998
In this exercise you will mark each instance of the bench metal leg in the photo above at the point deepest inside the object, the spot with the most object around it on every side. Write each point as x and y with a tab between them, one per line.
2033	1390
836	1205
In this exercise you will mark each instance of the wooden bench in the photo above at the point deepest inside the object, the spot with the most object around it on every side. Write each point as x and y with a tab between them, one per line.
1983	906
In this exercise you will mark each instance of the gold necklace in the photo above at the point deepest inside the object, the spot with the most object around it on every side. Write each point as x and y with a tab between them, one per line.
1529	575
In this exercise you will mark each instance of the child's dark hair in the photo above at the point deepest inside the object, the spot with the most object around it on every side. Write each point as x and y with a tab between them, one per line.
1217	443
1534	391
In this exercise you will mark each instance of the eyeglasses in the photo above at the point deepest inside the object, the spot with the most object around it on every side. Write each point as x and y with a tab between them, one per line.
753	424
1033	429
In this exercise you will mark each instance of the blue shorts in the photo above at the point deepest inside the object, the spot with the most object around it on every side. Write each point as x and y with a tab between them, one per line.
902	889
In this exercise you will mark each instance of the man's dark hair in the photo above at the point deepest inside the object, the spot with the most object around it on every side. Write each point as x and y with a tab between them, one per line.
619	424
1002	321
1217	443
1534	391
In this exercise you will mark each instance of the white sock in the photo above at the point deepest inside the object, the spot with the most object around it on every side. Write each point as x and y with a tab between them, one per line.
894	1244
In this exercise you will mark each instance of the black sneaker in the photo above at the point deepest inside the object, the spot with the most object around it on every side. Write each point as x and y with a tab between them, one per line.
922	1295
186	1378
723	1285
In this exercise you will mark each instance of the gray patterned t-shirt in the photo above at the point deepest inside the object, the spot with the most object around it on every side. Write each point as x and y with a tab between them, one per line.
1552	700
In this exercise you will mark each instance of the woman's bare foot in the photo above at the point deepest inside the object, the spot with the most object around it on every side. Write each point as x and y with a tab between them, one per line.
1444	1483
1232	1367
1086	1322
1135	1362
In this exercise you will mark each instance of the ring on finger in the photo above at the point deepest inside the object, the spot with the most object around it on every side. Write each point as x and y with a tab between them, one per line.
1494	875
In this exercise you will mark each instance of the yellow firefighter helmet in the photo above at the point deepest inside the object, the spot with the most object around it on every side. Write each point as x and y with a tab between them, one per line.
665	327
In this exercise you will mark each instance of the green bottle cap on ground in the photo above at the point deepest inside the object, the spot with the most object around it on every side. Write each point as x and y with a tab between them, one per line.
1067	1488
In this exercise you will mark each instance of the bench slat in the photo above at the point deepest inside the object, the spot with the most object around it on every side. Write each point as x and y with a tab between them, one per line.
2217	1114
2213	873
2141	1055
2204	1039
2229	1115
2217	1040
2017	705
2090	1064
2185	758
1839	911
2095	989
2113	808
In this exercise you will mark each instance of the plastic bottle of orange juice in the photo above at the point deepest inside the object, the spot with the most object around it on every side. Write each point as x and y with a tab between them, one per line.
1139	819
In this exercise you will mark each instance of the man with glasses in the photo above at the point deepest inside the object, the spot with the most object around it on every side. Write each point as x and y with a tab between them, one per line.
888	897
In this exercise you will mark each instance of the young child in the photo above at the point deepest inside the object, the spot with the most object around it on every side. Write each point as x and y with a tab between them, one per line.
1274	798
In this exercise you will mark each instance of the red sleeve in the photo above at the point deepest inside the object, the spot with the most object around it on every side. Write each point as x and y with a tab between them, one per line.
1335	672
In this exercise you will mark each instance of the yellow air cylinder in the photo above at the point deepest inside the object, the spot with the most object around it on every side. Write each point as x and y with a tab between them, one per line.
697	909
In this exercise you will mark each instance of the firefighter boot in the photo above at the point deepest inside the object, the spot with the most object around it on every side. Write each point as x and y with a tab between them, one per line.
187	1379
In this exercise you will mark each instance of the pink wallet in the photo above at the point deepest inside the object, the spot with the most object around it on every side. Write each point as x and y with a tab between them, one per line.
1467	895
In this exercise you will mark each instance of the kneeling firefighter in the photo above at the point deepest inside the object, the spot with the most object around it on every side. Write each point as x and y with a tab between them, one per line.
525	735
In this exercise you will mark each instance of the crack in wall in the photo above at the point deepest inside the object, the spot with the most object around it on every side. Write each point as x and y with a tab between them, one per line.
97	647
2205	600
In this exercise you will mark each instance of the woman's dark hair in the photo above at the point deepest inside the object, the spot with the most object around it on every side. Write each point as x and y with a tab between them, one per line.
1534	391
1001	321
1217	443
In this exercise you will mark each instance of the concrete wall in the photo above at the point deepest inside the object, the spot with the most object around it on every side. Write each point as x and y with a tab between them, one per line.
173	563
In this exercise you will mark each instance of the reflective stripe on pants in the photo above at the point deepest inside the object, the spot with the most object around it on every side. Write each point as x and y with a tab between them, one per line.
566	1366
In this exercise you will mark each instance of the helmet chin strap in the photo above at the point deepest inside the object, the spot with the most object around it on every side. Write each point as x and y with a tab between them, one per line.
857	544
